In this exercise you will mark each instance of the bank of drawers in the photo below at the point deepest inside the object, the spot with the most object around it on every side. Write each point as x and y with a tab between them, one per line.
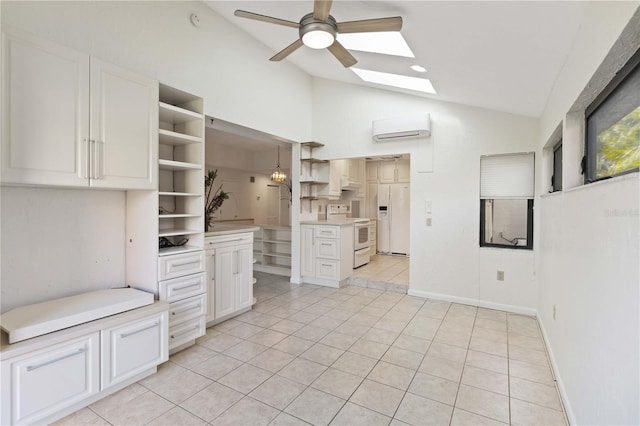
183	284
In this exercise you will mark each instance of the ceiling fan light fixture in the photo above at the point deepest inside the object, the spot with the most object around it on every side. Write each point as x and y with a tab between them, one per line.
318	39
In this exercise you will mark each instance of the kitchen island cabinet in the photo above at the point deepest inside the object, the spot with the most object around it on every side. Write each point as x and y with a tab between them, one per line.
327	252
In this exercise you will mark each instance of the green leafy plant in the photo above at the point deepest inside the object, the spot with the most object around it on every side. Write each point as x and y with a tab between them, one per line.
214	199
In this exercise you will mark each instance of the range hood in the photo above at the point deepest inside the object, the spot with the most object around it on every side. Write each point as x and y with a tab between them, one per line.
348	185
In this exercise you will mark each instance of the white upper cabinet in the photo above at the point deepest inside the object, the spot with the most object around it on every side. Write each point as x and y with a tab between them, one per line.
124	126
45	119
387	172
403	173
71	120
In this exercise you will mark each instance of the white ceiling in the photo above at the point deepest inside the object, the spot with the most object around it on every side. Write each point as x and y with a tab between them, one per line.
503	56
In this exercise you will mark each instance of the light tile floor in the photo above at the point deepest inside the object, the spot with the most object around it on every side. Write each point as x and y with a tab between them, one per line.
349	356
391	269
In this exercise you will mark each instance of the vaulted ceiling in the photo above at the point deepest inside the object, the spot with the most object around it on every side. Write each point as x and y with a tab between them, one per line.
503	56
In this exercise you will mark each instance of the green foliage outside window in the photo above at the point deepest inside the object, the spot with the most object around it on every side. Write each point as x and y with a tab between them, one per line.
618	147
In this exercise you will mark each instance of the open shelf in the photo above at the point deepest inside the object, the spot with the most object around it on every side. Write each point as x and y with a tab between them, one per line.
277	241
168	137
178	165
312	144
173	216
280	255
174	232
313	160
176	115
314	182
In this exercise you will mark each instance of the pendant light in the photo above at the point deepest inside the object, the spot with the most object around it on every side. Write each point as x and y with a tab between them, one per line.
278	175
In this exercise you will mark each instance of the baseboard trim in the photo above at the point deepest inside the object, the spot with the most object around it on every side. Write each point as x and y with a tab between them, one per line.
554	366
474	302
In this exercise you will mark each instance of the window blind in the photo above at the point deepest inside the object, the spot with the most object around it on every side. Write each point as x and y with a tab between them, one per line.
507	176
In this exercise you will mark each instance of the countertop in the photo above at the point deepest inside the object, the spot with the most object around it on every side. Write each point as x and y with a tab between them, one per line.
341	222
224	229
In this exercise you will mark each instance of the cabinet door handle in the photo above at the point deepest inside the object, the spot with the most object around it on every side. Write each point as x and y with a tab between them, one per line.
325	244
125	335
324	264
182	333
183	310
99	157
191	262
186	286
53	361
87	146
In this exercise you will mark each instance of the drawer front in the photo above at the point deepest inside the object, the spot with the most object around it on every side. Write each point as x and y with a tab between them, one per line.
228	240
49	380
184	287
323	231
328	249
132	348
329	269
180	265
186	332
187	309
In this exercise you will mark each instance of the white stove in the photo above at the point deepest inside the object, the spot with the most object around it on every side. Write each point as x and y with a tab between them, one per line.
340	213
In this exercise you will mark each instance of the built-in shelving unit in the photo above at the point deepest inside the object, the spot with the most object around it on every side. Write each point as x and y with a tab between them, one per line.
180	164
314	172
272	249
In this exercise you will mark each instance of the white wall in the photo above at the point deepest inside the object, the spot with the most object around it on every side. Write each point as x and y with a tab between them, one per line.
445	258
56	241
588	241
216	61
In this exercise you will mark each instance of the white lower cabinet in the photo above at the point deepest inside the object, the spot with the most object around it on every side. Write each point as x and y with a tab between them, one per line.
327	253
229	274
46	381
132	348
50	376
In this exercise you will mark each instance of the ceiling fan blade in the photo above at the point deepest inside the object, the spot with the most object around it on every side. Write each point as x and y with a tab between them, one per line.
287	51
371	25
342	54
263	18
321	9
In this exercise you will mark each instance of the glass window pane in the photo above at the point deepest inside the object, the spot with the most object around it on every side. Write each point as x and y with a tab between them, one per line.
614	131
505	222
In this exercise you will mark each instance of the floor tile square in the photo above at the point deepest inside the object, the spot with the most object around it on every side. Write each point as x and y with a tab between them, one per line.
352	329
339	340
139	410
531	356
532	372
403	357
355	415
217	366
443	368
322	354
392	375
315	407
272	360
487	361
487	346
192	356
293	345
284	419
337	383
381	336
245	350
200	404
304	317
267	337
525	413
448	352
436	388
355	364
310	332
417	410
287	326
378	397
486	379
536	393
302	371
485	403
175	383
411	343
278	391
369	348
177	416
465	418
84	416
221	342
326	322
247	411
245	378
244	331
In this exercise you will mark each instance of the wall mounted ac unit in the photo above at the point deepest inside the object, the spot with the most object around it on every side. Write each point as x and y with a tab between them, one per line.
397	129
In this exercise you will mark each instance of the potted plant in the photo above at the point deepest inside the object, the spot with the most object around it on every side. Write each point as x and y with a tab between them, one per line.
214	199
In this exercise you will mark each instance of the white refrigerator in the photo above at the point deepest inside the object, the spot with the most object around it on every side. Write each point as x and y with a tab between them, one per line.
393	218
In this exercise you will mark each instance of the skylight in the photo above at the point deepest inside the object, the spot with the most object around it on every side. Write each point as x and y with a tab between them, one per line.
387	43
395	80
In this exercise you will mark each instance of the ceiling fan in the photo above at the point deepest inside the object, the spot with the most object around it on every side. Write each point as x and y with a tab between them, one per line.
318	30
